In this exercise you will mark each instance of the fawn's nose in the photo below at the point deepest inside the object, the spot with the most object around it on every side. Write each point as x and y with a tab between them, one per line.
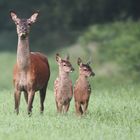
72	69
92	74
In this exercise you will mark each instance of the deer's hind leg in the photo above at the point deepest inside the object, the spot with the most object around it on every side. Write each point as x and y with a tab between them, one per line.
42	98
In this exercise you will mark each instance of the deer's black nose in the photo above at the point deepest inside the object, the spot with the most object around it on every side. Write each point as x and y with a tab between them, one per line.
23	35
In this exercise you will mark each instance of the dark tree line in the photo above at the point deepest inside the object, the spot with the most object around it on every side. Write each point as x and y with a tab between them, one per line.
62	20
71	14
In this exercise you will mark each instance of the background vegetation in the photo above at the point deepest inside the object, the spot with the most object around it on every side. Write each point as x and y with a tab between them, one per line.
105	31
110	27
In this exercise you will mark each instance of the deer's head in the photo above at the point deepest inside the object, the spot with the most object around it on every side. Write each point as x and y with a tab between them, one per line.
23	25
64	64
85	69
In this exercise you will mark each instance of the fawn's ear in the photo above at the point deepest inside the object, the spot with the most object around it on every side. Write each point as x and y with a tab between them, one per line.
67	57
14	17
89	61
33	18
79	61
58	58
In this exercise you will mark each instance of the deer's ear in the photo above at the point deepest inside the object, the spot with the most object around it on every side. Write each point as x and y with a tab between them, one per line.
58	58
33	18
79	61
14	17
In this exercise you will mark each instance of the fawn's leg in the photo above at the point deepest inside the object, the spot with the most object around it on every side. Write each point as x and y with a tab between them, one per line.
66	107
57	105
85	106
60	106
78	108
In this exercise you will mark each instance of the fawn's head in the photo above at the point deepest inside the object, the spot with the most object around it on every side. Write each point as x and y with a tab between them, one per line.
64	64
85	69
23	25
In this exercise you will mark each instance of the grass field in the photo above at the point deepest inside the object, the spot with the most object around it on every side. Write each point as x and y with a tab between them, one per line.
113	113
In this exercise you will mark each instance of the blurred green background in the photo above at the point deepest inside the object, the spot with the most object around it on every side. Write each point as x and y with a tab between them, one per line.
107	31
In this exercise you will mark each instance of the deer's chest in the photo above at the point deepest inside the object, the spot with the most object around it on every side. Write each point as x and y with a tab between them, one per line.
22	81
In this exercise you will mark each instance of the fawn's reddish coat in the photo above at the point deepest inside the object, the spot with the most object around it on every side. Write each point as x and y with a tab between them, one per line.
31	72
82	88
63	90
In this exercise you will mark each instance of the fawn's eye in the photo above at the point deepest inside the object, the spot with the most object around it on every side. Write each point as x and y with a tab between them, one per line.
85	69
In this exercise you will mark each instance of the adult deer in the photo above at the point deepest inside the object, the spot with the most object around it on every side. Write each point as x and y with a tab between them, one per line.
82	88
31	72
63	90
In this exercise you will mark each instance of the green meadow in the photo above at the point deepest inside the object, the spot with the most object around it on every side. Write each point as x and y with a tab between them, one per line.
114	107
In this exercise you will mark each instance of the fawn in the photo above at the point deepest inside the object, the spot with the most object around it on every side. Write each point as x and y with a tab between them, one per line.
82	88
31	71
63	90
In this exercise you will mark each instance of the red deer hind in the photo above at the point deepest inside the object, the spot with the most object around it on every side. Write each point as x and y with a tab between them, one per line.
82	88
63	90
31	72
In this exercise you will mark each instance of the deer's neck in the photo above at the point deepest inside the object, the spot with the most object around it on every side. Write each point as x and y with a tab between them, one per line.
23	53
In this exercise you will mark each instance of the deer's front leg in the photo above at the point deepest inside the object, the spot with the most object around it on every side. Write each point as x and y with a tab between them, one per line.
30	101
17	95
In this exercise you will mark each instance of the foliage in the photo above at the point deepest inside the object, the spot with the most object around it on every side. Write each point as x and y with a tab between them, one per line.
117	42
65	14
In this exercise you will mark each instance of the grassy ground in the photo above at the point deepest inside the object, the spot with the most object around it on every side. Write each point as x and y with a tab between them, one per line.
113	113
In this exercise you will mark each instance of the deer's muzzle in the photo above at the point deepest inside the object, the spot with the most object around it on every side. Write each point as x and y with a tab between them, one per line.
23	35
